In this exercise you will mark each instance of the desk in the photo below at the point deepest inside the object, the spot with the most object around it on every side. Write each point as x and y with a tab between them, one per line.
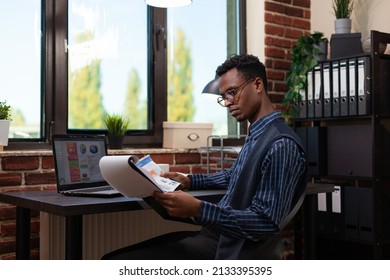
72	208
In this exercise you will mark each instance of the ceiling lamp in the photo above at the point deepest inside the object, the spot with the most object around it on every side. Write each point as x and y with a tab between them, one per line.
168	3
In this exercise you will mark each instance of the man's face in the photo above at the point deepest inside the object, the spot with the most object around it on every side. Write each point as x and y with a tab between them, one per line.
240	96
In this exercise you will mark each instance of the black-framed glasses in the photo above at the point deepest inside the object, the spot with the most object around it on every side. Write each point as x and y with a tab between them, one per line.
231	93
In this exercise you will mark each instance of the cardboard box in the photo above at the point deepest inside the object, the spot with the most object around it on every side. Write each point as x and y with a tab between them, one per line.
186	134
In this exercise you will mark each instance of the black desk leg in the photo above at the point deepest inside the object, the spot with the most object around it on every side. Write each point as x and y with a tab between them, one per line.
73	237
23	220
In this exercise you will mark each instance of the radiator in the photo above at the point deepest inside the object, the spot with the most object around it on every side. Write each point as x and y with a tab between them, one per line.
104	232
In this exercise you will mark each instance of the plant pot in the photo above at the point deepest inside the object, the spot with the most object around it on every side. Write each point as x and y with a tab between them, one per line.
342	25
115	142
4	131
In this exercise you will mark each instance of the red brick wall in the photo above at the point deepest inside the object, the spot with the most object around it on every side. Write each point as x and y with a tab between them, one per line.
285	22
19	172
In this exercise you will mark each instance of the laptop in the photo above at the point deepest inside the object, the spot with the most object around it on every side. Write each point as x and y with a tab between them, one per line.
76	161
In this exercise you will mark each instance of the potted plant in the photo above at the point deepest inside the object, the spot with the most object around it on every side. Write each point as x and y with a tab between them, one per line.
342	10
117	126
304	56
5	119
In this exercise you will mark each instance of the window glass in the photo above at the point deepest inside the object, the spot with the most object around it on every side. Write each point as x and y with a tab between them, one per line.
197	44
107	62
20	68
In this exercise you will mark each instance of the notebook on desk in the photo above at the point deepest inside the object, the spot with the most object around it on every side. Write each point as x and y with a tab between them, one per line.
76	161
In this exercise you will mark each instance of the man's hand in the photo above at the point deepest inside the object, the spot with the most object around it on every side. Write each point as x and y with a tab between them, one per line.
178	177
179	204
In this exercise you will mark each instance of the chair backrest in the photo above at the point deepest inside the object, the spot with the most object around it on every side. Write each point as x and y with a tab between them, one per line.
273	246
296	204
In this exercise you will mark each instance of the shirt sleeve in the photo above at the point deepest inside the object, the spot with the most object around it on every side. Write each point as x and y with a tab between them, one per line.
281	169
218	180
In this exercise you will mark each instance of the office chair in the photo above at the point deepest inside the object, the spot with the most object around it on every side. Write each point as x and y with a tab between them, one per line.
273	247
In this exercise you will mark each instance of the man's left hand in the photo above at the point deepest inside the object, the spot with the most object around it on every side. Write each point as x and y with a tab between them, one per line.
179	204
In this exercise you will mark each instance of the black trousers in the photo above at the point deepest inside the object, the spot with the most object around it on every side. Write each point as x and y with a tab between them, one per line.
182	245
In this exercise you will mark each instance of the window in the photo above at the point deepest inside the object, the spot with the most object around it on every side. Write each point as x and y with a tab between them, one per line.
20	68
92	57
107	62
197	44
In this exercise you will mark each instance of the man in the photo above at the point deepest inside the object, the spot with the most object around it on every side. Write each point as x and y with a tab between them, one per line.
260	185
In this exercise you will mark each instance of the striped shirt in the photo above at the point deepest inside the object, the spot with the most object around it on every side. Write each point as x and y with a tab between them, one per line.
281	169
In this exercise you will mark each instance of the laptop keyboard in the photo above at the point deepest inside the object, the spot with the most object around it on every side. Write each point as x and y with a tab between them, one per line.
98	189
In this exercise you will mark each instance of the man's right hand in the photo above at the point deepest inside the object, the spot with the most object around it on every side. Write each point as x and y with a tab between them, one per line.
184	180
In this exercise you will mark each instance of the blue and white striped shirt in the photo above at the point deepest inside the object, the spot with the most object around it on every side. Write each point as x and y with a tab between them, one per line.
281	169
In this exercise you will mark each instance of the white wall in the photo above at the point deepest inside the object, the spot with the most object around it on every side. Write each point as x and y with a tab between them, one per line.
255	28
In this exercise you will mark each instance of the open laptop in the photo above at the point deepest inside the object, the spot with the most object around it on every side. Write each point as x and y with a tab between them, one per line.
76	159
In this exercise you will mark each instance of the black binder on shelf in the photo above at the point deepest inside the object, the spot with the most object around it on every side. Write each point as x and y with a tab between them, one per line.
352	87
365	198
330	221
318	96
335	89
326	90
343	81
351	212
310	94
300	106
364	86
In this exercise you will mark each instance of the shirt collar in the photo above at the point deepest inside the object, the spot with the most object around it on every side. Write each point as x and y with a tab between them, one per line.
258	127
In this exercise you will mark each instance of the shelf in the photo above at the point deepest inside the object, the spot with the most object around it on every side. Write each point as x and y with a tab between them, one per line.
350	148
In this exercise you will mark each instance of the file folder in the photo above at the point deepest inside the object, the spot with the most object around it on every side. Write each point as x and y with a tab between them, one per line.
351	214
310	96
327	92
300	106
335	94
343	89
316	151
365	214
330	220
352	88
318	110
364	86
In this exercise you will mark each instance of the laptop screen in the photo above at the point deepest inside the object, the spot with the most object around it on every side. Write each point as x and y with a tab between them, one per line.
77	160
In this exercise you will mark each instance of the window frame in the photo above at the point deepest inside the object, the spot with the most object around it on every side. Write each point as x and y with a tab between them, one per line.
54	81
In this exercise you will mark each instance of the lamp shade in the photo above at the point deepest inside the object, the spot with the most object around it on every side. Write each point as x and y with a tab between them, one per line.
168	3
212	87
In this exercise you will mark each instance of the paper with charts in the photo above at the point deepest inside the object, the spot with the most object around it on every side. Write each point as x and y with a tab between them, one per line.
135	177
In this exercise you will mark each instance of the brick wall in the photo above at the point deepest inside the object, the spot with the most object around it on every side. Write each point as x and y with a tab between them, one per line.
285	22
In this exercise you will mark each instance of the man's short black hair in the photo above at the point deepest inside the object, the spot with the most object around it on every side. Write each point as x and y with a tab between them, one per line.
247	65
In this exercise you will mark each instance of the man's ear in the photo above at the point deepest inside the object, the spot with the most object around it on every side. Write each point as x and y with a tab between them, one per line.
259	84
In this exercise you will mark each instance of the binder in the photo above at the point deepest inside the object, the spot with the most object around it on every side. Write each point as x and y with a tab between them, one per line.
343	89
316	151
351	214
318	109
335	94
327	92
330	221
364	86
310	96
365	214
300	106
352	88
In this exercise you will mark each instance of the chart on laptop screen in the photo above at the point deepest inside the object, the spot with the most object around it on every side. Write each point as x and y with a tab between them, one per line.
78	160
